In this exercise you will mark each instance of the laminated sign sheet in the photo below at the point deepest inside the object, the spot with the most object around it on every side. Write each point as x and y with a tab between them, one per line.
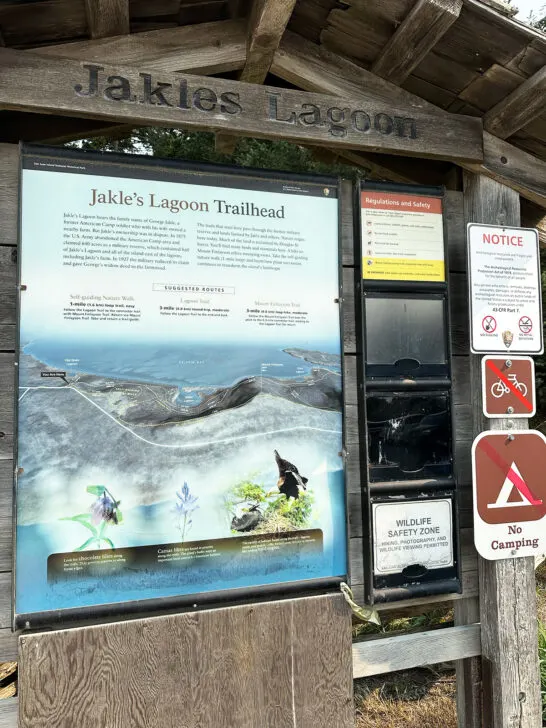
180	408
402	236
505	290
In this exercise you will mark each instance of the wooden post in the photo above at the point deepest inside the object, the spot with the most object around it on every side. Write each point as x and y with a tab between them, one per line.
511	684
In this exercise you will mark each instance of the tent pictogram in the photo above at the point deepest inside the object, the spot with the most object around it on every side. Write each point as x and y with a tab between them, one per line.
513	481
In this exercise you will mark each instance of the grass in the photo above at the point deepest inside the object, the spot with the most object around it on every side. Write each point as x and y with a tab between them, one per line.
410	699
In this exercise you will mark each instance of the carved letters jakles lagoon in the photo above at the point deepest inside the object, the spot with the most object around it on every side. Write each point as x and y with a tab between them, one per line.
338	121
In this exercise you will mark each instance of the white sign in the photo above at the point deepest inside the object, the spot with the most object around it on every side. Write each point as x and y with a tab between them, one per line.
412	532
505	290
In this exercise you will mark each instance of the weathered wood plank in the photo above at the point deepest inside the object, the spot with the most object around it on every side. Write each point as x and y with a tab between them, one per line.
239	666
7	384
306	65
107	17
468	672
8	283
206	48
220	104
347	222
518	108
330	671
268	22
404	652
9	711
5	599
52	20
8	646
415	37
507	587
455	231
9	174
514	168
6	514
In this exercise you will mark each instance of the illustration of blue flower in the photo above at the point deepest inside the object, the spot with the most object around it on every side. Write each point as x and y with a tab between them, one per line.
185	505
104	510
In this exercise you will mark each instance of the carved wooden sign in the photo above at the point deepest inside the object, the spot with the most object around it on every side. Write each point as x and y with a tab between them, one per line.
128	95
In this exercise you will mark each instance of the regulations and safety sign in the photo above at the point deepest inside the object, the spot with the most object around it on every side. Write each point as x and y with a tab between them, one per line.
412	533
508	386
509	494
402	236
505	290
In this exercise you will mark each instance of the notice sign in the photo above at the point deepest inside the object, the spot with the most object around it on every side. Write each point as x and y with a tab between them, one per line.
508	386
505	290
180	401
509	494
402	237
412	533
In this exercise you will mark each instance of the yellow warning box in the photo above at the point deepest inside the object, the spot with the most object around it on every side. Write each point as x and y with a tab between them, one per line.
403	269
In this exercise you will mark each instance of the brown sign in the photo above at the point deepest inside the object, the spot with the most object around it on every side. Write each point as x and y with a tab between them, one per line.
509	493
508	386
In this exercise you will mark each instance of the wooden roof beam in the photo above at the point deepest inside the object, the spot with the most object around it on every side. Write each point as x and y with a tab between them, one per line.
519	108
207	48
107	17
268	22
415	37
306	65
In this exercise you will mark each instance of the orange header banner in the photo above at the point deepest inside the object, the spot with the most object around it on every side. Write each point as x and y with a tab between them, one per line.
401	202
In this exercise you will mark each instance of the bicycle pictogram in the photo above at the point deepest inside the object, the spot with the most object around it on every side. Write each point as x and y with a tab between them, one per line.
499	389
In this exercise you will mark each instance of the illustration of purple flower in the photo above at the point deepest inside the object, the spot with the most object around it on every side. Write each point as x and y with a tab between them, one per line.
185	505
103	511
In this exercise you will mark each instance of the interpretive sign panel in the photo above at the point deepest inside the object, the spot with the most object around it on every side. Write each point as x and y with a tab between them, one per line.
402	236
412	533
505	290
179	364
508	386
509	494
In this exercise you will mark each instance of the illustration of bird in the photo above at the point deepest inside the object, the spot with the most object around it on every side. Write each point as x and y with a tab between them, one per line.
290	481
247	521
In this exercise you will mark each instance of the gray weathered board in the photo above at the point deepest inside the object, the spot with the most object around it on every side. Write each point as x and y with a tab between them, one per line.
461	374
276	664
138	96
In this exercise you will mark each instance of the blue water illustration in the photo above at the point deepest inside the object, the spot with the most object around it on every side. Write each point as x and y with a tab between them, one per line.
182	365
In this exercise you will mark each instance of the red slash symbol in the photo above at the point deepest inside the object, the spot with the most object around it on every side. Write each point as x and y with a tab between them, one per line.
510	385
489	324
525	325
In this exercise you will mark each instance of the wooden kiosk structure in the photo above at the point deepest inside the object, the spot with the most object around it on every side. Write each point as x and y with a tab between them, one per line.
434	92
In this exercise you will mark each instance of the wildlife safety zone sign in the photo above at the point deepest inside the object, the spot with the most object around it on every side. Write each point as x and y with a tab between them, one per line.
505	290
508	386
509	494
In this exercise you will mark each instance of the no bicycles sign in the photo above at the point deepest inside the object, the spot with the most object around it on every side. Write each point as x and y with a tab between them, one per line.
508	386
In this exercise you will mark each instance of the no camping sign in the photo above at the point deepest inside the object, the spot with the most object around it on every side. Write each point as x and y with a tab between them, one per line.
505	291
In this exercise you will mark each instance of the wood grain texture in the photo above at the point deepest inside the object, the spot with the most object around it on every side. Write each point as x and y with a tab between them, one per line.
8	283
457	138
268	22
514	168
8	645
107	17
256	665
415	37
519	108
404	652
215	47
7	385
506	587
9	175
9	710
5	599
52	20
6	514
468	671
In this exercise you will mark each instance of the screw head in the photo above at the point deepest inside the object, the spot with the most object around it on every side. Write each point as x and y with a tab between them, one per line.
508	363
510	410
